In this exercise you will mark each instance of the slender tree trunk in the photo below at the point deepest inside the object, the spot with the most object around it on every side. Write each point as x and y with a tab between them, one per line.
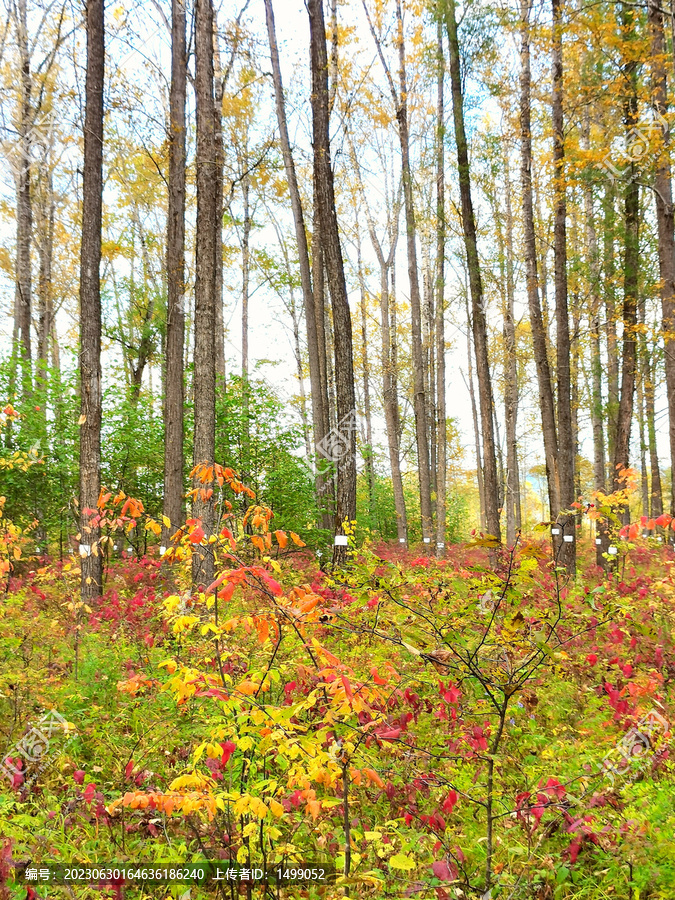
45	245
663	193
368	437
656	491
219	79
174	394
419	402
630	266
345	510
317	382
512	498
644	475
24	203
479	324
90	305
609	290
245	373
591	242
205	287
476	428
539	341
441	424
565	552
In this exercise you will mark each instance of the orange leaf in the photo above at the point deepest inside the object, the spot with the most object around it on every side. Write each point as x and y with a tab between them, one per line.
309	605
282	539
297	540
372	775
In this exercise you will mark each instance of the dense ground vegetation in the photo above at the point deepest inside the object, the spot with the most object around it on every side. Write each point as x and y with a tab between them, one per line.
437	728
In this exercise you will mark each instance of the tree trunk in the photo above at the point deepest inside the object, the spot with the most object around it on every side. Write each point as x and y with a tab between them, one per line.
663	193
610	325
539	341
345	511
419	403
174	392
368	437
45	246
205	287
24	207
90	304
630	267
474	416
245	274
512	493
565	552
441	425
319	395
656	489
219	78
479	324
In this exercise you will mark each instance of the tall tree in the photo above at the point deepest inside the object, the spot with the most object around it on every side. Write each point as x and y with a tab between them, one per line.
565	551
205	287
441	424
631	260
539	339
319	402
90	303
174	390
399	97
24	204
345	505
478	318
663	194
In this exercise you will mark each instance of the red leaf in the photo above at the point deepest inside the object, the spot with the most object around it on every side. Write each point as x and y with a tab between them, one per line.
228	749
441	870
450	801
347	687
377	678
197	535
129	768
78	776
574	848
89	792
391	735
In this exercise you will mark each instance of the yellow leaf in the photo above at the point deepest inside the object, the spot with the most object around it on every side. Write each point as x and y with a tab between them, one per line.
166	521
401	861
276	808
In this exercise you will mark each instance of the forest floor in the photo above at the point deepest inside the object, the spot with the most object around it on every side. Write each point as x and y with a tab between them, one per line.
419	728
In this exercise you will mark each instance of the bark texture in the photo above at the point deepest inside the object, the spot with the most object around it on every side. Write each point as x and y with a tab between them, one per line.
205	286
90	304
174	391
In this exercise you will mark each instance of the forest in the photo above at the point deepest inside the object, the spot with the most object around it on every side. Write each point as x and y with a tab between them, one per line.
337	449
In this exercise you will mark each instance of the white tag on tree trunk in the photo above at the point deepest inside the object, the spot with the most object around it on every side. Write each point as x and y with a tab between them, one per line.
85	550
598	541
612	551
427	540
568	538
555	531
401	540
440	545
341	540
162	551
